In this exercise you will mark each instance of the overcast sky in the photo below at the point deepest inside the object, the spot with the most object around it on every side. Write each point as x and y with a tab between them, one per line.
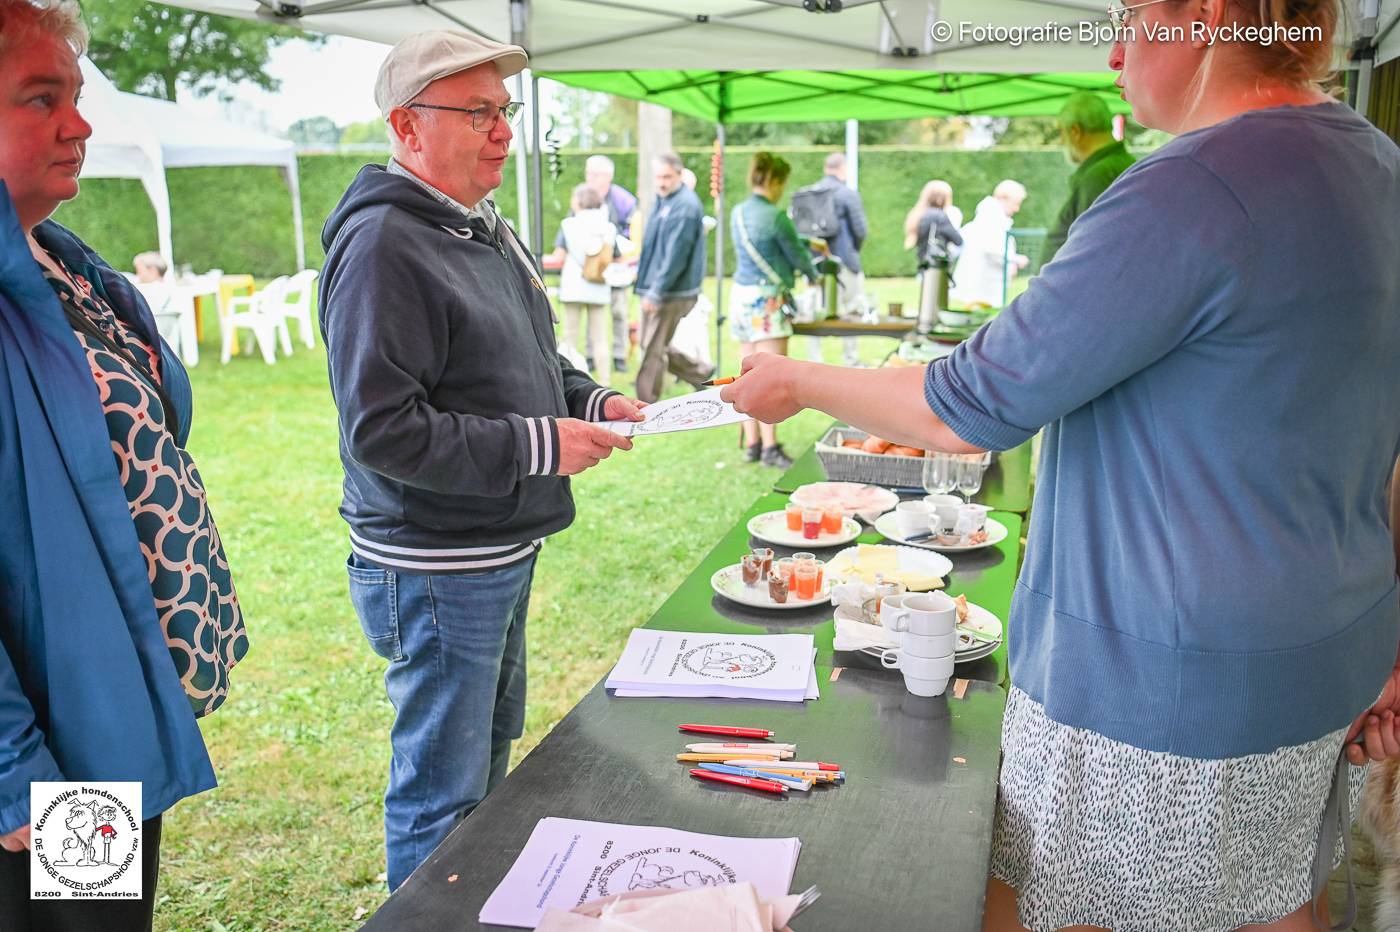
335	80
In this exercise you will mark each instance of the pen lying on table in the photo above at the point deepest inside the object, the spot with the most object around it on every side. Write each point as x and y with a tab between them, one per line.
791	782
752	783
757	750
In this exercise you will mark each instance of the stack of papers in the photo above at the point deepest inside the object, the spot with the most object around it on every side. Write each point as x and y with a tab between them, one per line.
567	862
726	666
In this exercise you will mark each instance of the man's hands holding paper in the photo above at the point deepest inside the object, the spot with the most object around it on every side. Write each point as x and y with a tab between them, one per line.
583	445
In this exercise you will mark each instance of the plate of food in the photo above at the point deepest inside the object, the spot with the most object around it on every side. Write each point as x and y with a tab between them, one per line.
766	593
992	534
854	498
776	527
919	570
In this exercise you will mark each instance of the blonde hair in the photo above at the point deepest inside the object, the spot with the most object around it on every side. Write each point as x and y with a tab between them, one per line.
1304	63
153	260
23	19
936	193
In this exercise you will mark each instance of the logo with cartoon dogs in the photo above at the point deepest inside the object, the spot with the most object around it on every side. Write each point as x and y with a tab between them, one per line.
664	869
86	840
731	660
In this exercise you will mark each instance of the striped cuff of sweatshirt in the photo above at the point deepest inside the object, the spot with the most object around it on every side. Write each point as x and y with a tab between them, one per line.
543	457
593	410
432	560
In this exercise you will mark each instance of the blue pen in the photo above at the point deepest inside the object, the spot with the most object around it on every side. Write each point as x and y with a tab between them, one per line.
793	783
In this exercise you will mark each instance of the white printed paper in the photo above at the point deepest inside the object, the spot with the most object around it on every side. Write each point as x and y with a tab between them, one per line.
567	862
813	691
688	412
693	664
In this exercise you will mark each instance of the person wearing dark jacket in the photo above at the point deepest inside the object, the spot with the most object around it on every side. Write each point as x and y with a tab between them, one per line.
458	422
669	273
1086	129
119	622
851	231
936	228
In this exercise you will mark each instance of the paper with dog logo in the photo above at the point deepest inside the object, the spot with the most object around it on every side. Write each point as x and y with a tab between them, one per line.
732	666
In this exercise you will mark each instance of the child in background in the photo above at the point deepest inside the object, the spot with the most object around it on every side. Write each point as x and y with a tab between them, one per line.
589	241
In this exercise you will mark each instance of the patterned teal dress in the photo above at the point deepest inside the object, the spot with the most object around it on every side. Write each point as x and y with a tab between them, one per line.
190	582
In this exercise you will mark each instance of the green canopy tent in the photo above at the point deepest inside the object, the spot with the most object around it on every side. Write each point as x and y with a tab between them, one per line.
728	97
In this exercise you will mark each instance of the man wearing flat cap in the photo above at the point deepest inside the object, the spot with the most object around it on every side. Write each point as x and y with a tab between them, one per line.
459	422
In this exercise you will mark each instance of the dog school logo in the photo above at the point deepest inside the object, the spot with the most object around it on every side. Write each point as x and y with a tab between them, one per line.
729	660
86	841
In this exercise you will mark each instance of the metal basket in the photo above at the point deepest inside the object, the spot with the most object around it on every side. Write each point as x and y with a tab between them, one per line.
843	464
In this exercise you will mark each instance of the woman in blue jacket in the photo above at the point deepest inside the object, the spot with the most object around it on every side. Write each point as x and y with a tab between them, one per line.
118	619
1207	618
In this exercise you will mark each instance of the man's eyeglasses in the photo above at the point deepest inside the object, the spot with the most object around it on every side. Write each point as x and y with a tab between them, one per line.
484	118
1120	15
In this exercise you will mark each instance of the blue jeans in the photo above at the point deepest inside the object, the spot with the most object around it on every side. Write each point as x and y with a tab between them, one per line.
456	677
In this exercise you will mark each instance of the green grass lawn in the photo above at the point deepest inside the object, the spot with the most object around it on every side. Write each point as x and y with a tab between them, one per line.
292	838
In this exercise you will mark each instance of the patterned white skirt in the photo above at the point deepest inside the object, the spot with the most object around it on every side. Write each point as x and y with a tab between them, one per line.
1095	832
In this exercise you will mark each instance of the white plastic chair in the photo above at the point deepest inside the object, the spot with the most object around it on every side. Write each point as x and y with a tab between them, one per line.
259	313
173	307
296	302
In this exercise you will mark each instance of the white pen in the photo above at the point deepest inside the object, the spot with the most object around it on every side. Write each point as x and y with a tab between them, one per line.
814	766
756	750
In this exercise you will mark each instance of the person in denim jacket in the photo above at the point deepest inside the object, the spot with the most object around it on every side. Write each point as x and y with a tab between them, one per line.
769	254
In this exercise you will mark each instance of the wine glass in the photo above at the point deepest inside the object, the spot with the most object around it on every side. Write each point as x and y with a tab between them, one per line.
940	473
970	476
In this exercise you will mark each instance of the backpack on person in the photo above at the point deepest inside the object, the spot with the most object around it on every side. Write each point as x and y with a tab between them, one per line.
814	211
595	264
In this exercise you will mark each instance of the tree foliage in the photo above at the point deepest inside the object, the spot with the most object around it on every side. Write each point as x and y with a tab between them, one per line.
150	49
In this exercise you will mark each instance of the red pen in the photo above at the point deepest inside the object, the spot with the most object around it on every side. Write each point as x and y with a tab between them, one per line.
752	783
729	730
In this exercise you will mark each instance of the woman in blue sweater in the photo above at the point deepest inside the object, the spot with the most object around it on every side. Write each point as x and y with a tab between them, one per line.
118	621
1208	609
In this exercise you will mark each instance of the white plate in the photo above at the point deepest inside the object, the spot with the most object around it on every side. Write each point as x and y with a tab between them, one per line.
817	494
910	559
729	582
772	528
888	525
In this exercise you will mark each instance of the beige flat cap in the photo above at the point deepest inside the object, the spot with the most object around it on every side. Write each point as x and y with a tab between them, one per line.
421	59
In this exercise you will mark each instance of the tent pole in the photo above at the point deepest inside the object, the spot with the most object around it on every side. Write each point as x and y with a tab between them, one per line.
1365	50
537	175
522	179
719	252
294	186
853	154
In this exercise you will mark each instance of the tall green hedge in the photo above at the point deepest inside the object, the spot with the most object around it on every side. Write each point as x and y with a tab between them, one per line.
239	219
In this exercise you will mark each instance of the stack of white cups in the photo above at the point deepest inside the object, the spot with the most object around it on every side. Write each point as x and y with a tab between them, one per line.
925	623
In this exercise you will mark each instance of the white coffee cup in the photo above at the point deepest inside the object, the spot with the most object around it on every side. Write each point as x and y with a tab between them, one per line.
944	508
924	614
927	688
928	645
912	517
971	519
923	676
890	606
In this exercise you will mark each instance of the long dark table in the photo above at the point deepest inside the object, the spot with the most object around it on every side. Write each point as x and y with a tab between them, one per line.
904	843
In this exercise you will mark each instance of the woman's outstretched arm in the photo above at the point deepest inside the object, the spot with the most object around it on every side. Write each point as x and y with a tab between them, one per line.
886	402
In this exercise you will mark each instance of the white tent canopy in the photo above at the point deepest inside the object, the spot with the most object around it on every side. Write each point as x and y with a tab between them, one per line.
140	137
768	35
